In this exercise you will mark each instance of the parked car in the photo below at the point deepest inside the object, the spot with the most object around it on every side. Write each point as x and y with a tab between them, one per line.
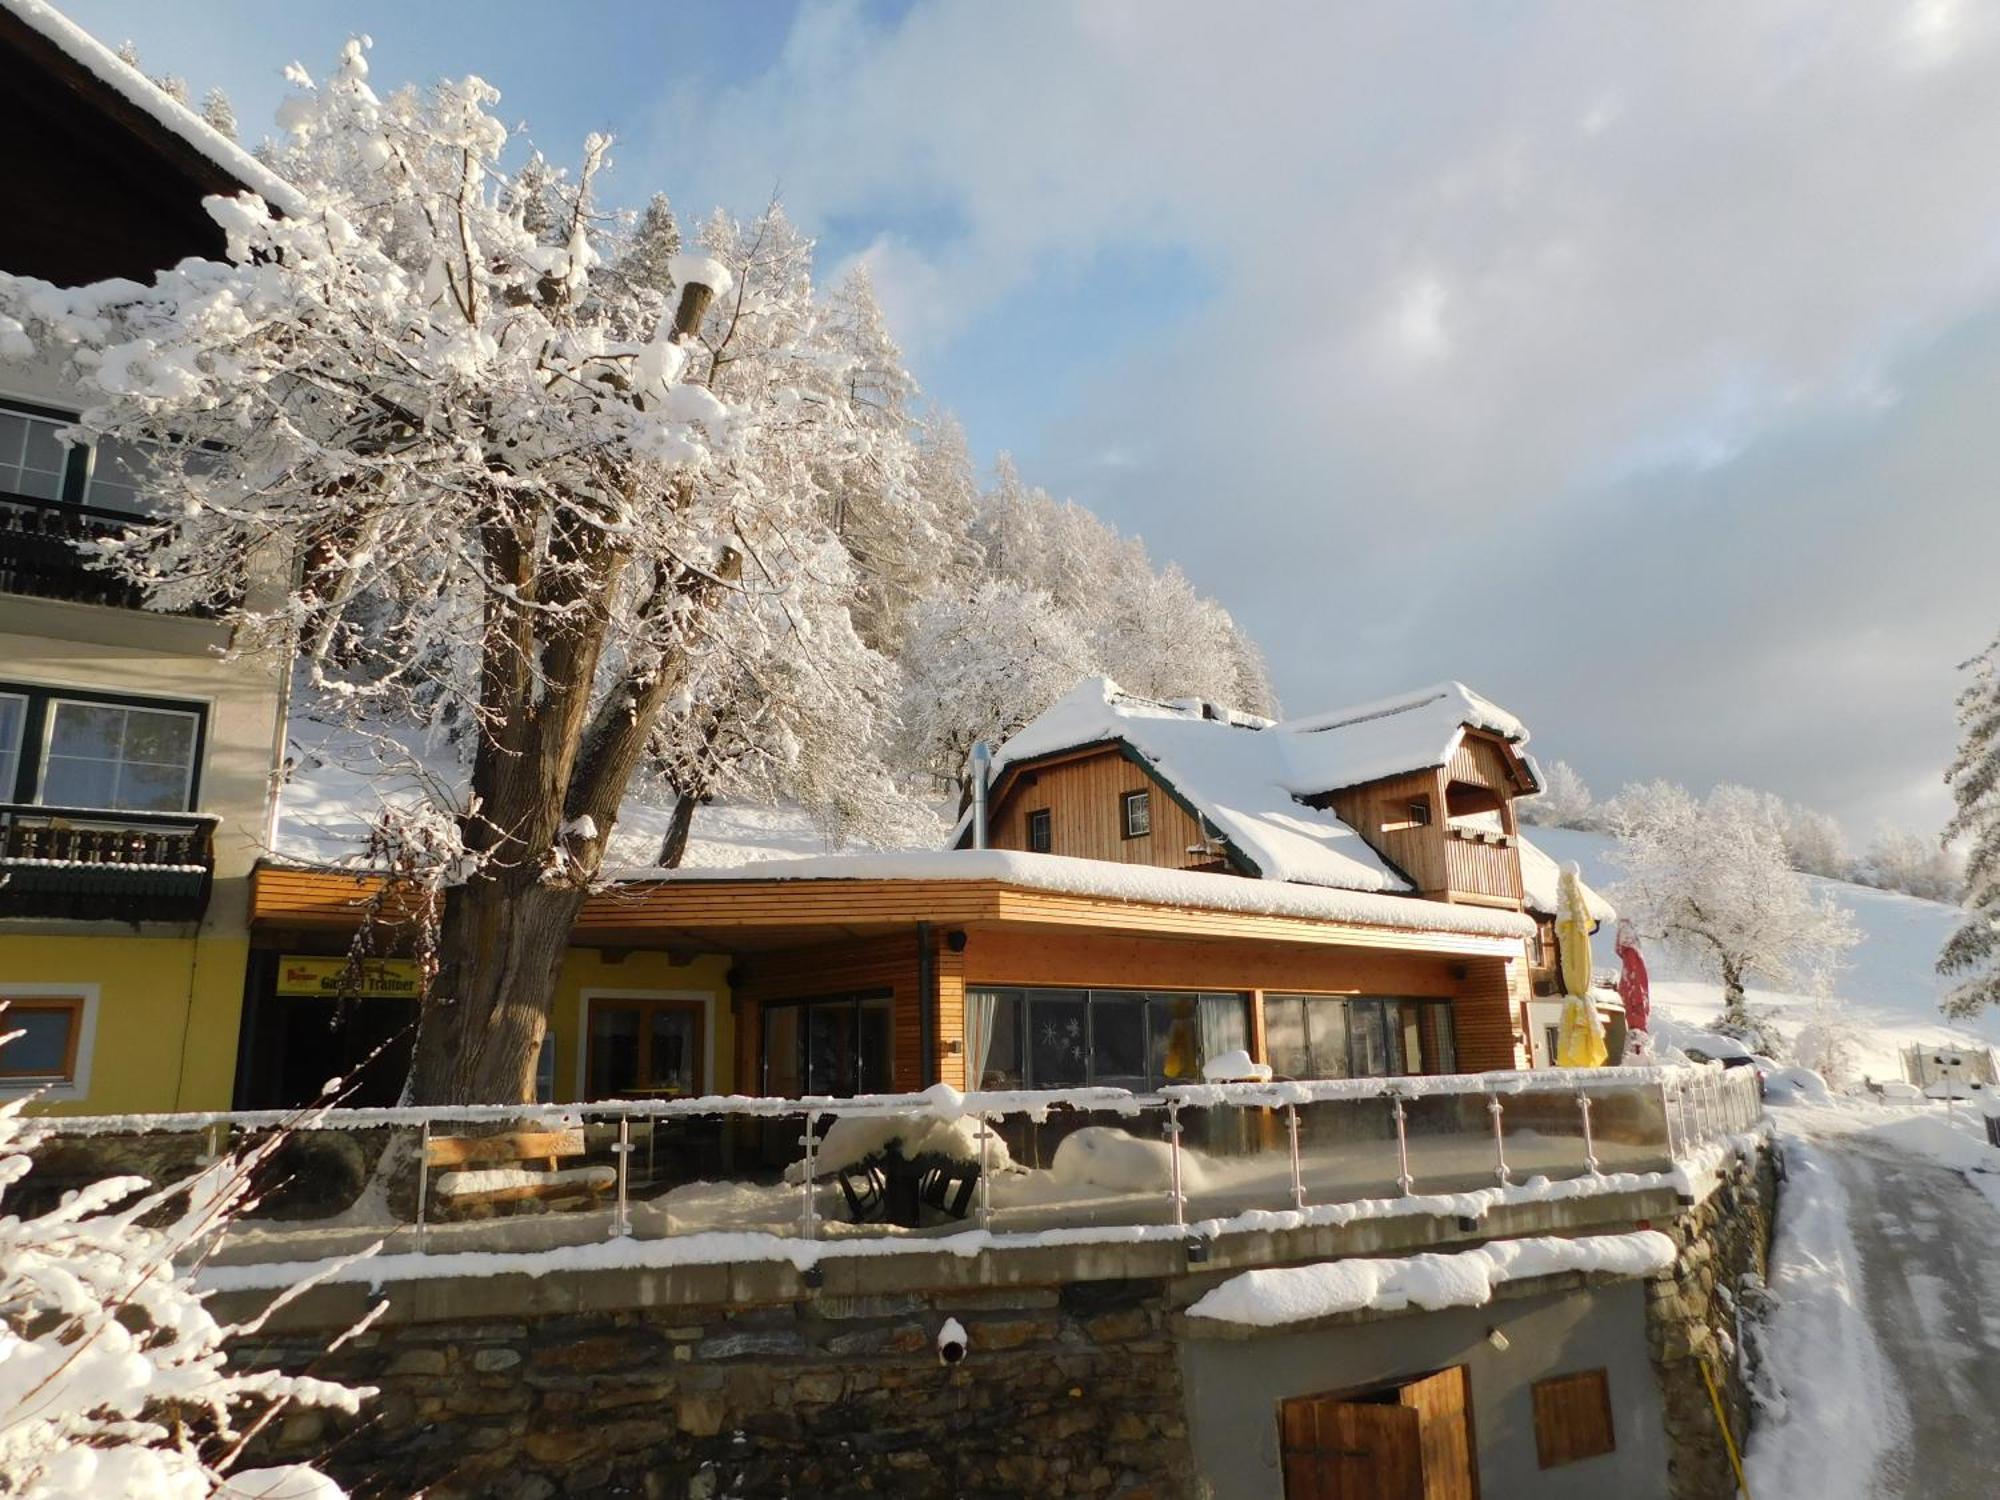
1763	1065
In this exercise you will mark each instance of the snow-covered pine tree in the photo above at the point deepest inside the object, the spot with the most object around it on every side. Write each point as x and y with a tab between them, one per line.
1711	878
219	112
1972	954
655	241
529	500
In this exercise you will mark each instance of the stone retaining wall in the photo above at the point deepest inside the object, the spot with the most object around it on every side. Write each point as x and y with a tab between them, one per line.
1691	1321
1075	1392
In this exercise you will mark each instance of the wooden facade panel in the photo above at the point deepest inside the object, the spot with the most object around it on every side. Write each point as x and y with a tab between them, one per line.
1083	798
1489	1017
1481	760
1107	960
1473	867
1573	1417
1381	813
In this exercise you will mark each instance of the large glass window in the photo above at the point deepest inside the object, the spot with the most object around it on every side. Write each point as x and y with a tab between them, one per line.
118	756
1360	1036
1130	1039
644	1048
839	1045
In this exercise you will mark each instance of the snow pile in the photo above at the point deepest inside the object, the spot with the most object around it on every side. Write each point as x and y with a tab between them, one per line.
1103	1156
853	1140
1235	1066
1463	1278
1839	1408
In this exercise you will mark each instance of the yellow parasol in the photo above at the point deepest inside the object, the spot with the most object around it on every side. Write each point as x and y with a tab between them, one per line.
1580	1037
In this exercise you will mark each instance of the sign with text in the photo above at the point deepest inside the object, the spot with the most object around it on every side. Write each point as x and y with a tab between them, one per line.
331	978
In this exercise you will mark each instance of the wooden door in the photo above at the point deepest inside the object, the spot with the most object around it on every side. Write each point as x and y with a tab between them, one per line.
1346	1450
1444	1427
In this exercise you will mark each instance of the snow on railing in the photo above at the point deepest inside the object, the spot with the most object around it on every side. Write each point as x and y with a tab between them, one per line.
1073	1162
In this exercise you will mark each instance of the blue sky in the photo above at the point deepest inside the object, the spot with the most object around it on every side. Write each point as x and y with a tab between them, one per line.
1631	364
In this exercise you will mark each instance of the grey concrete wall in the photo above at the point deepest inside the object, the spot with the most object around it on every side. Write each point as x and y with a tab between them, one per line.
1234	1383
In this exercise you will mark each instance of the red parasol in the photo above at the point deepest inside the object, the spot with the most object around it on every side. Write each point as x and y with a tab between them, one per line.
1634	988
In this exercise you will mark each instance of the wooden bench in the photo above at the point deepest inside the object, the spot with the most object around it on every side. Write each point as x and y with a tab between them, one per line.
480	1171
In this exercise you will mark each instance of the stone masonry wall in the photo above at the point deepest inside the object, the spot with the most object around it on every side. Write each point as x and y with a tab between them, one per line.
1691	1321
1063	1393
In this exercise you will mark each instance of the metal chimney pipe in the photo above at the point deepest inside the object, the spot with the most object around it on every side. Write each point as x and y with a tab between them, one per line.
982	772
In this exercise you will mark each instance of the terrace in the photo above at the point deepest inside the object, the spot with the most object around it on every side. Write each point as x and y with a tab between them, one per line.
746	1179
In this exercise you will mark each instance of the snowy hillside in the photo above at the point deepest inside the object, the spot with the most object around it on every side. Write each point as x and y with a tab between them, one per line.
1889	987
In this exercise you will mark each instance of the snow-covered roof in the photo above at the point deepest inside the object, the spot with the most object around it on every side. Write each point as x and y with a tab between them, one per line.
1540	876
151	100
1193	889
1412	732
1246	776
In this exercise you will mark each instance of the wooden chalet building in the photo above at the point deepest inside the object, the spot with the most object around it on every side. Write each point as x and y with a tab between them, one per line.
1345	895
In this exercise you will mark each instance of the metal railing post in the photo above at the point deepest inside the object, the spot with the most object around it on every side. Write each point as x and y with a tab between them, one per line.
423	1188
1667	1119
810	1224
985	1173
621	1224
1298	1175
1589	1143
1403	1178
1174	1163
1500	1172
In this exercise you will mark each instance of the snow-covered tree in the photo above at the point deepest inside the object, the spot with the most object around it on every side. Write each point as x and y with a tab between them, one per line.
531	498
1899	860
1710	878
1972	954
1815	843
656	240
113	1381
219	112
1564	802
980	664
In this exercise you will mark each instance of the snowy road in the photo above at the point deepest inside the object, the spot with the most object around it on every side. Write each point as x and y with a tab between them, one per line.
1930	1273
1883	1348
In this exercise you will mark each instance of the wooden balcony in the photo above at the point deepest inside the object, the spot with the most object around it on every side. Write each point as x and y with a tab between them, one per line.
40	556
1483	866
91	865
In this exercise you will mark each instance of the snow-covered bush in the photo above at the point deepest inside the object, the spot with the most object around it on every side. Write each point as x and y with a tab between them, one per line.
113	1381
1712	879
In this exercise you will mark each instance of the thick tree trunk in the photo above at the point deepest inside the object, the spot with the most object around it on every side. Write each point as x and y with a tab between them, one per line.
500	950
673	848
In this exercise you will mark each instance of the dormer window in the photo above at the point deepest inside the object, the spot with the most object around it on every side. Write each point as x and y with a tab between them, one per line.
1137	811
1038	831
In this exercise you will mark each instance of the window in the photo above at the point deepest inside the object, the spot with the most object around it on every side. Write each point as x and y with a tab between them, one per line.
13	721
836	1044
98	752
1137	808
1130	1039
1038	831
1358	1036
45	1052
1573	1417
1420	812
118	478
33	460
644	1048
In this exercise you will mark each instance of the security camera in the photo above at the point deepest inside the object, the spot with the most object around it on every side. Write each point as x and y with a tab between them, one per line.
951	1342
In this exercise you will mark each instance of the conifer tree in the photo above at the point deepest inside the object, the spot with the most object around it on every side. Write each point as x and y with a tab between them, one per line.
1972	953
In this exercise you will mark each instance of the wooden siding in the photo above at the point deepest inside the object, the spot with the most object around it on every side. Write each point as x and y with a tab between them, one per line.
1012	957
1490	1016
1380	813
1475	867
886	965
1084	796
1488	761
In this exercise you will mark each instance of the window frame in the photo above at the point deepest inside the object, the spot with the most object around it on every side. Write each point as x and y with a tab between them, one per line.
1145	999
643	999
82	1043
1140	798
37	729
76	456
1041	831
854	1001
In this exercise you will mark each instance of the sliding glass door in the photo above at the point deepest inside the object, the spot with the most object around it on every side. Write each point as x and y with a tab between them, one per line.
1129	1039
838	1044
1357	1036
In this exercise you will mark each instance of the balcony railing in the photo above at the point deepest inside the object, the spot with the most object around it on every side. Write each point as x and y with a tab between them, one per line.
1482	864
739	1178
90	864
40	557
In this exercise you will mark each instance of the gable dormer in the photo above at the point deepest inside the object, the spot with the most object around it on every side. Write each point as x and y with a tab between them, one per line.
1100	801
